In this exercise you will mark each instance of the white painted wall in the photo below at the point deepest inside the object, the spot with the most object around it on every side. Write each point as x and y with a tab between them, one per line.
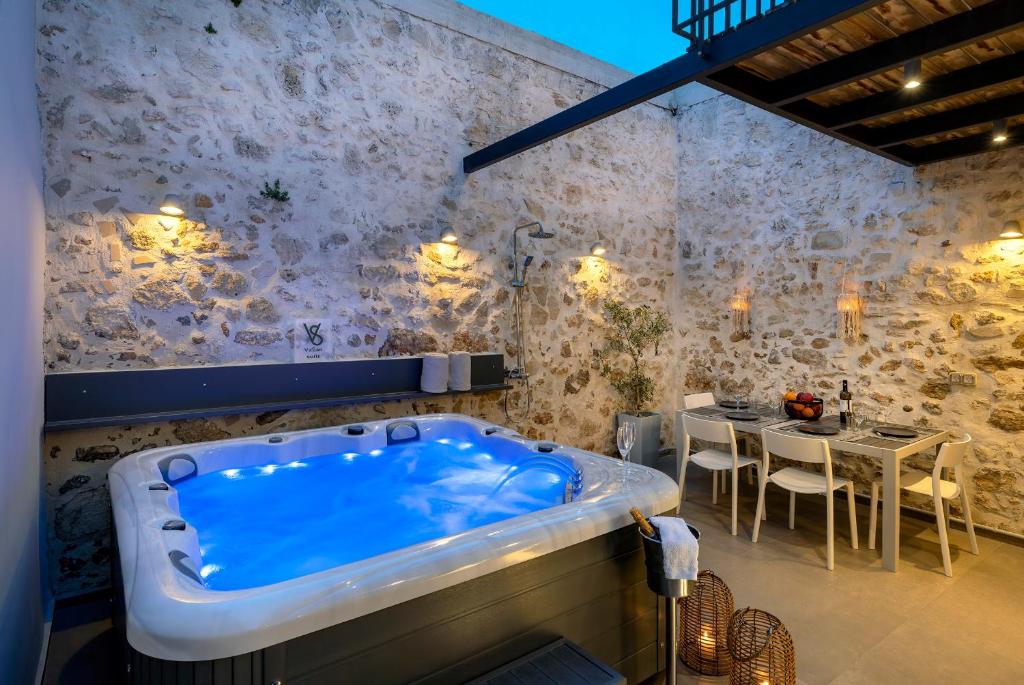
22	594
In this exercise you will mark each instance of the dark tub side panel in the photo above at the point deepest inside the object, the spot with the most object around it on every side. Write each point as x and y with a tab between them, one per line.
593	593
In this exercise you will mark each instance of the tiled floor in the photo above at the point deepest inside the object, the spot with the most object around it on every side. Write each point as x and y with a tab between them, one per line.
856	625
859	624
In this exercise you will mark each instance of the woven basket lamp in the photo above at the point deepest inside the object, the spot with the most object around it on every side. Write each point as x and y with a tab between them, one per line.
704	624
761	650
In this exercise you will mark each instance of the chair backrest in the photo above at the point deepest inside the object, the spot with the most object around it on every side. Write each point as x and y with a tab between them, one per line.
709	430
952	453
809	450
700	399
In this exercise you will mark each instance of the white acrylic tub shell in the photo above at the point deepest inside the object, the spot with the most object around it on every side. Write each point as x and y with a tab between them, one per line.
172	616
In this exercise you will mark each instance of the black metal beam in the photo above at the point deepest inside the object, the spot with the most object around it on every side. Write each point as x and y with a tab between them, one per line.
960	82
773	29
960	147
942	122
998	16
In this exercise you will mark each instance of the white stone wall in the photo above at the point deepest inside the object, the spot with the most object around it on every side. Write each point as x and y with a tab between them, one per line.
779	209
364	113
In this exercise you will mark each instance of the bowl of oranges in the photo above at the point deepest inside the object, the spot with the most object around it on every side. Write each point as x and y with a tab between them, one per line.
803	405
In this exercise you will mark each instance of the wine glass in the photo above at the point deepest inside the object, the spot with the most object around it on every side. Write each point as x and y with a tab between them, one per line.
625	436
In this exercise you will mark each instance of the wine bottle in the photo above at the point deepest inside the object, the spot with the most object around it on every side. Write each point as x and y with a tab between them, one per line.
845	400
645	526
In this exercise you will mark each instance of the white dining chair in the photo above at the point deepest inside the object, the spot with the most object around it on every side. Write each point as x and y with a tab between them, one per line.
797	480
712	458
695	401
951	456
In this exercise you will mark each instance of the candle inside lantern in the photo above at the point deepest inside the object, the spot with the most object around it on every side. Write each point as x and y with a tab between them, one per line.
707	642
740	307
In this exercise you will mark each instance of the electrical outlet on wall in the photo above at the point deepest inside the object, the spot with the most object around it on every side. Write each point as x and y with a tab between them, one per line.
969	378
955	379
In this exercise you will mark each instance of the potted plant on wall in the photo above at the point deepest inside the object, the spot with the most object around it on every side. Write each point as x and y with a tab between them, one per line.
632	332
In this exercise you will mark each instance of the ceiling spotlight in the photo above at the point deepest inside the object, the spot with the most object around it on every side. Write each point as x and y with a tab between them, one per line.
912	74
448	236
598	250
1011	229
1000	131
171	205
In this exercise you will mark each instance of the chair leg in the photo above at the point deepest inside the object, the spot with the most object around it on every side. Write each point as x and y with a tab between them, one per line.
792	510
735	495
750	475
762	479
682	482
830	532
873	520
943	537
968	520
851	504
714	487
724	488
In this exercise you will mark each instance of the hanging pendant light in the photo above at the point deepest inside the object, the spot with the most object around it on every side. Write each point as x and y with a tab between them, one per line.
912	74
1000	131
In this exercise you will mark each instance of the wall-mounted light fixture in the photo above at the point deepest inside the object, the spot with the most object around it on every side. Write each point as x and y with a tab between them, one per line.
912	74
171	205
1000	131
449	236
598	250
850	307
739	307
1011	229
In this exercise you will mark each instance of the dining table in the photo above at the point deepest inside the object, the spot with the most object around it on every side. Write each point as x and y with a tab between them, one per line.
860	437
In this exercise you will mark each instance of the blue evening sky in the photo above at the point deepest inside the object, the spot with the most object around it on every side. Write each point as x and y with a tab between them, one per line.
633	34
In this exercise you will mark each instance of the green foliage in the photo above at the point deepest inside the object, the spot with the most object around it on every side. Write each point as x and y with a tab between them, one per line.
632	331
209	28
274	192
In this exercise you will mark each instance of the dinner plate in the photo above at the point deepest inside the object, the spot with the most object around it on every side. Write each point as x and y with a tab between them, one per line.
817	429
895	432
742	416
732	404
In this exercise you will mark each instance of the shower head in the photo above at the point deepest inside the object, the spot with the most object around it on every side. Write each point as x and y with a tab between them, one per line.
541	233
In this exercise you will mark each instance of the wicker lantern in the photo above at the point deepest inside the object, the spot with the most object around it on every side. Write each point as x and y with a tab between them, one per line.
704	623
761	650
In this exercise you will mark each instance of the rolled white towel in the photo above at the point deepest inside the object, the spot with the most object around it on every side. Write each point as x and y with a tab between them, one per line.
459	366
434	377
678	547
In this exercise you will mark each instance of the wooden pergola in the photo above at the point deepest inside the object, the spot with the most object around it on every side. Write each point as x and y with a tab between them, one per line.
840	67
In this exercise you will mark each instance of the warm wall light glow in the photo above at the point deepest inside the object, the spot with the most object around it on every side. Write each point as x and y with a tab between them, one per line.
1000	131
912	74
739	306
850	306
1011	229
449	236
171	205
598	250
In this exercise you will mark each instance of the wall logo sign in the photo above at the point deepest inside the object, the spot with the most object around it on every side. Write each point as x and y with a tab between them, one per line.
312	340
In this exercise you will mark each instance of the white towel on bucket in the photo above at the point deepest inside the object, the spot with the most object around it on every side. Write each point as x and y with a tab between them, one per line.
678	547
459	365
434	377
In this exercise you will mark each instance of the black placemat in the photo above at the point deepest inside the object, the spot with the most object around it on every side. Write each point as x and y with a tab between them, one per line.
817	429
742	416
895	432
733	404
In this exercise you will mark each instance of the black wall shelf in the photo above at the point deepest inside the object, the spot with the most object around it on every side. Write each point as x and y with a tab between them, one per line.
115	398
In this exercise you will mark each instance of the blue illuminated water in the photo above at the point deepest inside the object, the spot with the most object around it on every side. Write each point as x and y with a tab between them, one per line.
265	524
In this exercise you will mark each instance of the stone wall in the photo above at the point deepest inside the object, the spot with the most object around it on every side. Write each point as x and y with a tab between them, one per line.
782	210
364	113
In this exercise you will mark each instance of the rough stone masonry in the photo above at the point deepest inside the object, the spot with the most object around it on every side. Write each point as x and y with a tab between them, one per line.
364	113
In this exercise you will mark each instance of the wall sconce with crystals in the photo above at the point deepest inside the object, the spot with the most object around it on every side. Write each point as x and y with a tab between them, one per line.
739	306
850	307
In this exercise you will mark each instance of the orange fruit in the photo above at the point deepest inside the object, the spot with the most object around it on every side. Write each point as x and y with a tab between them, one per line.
797	406
789	396
808	412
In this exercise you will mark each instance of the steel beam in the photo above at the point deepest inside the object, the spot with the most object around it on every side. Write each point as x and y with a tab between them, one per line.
774	28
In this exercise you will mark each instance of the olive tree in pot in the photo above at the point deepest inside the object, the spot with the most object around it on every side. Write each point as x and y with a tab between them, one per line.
632	332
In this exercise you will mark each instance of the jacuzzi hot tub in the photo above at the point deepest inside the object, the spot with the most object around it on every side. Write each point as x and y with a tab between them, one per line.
233	549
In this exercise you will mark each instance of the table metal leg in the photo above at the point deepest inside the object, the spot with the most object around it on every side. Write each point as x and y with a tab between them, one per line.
891	513
671	640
